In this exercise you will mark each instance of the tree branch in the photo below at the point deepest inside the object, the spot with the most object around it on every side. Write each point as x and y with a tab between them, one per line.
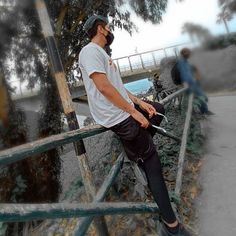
60	20
83	15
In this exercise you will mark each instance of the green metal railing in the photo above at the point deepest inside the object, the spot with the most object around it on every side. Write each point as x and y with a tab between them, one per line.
25	212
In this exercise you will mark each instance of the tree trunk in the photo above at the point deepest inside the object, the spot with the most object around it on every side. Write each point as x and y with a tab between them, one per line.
226	26
4	106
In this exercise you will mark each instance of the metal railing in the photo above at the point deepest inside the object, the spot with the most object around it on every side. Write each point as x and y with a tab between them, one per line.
25	212
148	60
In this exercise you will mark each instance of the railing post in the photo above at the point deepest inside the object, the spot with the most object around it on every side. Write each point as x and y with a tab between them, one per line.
183	146
165	52
180	101
154	59
130	64
142	61
118	66
175	51
68	108
85	222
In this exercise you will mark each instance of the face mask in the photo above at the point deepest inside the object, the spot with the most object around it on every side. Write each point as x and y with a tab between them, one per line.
109	38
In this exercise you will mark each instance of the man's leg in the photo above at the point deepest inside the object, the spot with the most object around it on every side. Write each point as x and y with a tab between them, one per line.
157	186
139	147
203	107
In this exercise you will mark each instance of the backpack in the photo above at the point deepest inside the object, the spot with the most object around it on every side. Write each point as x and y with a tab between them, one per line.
175	74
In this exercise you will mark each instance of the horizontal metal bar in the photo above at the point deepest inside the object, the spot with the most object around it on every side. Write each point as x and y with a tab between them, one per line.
28	212
23	151
173	95
183	146
155	50
85	222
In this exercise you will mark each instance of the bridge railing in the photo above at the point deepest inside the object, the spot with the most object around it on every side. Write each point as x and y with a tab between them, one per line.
147	60
25	212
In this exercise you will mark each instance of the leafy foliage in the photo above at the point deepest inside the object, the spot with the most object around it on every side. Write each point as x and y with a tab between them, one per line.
227	10
228	6
196	32
220	42
73	190
149	10
68	18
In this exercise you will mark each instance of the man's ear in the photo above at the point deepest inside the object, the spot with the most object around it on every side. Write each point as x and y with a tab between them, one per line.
100	29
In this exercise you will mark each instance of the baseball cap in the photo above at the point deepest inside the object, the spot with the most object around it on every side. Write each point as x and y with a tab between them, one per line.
91	20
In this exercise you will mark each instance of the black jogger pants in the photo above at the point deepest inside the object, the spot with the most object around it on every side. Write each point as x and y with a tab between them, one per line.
139	147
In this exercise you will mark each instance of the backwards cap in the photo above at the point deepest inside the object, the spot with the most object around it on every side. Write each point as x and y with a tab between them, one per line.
91	20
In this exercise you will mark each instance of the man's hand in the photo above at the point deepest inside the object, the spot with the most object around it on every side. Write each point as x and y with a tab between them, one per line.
148	108
140	118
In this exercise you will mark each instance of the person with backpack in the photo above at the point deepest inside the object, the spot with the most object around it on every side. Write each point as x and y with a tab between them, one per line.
113	107
185	74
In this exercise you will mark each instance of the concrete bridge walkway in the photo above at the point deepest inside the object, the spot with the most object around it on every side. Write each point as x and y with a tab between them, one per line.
216	205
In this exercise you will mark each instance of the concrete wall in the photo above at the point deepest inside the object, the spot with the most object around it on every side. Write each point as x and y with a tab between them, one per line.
217	68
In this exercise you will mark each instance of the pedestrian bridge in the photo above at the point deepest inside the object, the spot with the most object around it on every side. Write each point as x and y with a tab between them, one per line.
143	65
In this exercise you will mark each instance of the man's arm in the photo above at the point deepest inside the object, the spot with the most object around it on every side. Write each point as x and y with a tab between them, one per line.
134	99
112	94
143	105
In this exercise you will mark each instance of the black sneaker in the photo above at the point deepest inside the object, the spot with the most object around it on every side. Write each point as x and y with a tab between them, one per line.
164	232
209	113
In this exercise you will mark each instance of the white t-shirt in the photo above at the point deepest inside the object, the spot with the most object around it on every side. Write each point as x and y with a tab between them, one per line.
93	58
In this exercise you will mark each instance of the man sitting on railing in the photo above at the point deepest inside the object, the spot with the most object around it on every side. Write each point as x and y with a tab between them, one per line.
112	106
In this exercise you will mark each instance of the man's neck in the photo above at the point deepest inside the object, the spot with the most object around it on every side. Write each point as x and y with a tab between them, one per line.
98	41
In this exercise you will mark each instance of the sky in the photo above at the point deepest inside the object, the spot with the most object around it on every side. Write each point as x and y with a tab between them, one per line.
168	32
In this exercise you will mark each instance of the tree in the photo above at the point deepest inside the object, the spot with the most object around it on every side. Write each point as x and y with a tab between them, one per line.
196	32
4	107
228	5
228	8
224	17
